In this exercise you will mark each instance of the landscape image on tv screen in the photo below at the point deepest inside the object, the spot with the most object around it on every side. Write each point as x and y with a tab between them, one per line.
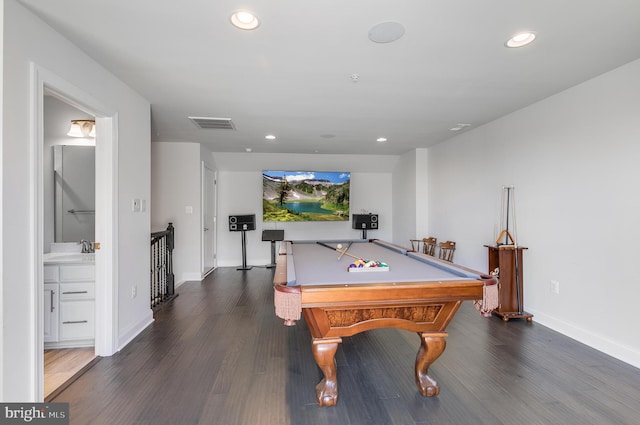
305	196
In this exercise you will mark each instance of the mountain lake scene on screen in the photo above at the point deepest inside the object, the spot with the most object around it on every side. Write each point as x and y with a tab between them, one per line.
305	196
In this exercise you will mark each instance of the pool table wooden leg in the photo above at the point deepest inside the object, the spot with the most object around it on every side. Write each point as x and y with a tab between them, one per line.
324	351
431	347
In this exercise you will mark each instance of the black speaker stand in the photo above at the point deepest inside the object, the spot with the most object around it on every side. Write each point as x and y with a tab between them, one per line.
272	236
244	252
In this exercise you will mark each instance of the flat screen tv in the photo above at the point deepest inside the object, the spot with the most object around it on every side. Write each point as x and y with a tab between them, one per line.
305	196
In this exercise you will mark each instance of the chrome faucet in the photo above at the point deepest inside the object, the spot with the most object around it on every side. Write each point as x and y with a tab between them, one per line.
87	246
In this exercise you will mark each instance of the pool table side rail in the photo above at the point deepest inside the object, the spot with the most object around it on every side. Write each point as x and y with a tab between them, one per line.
396	294
490	298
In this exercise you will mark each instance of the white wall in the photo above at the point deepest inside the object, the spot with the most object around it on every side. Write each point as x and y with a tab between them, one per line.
573	159
410	197
175	186
28	40
240	192
422	187
1	198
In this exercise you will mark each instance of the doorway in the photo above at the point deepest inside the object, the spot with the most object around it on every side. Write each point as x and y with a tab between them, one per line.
208	219
46	83
68	218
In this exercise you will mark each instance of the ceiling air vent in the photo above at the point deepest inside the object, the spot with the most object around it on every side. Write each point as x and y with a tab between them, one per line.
213	123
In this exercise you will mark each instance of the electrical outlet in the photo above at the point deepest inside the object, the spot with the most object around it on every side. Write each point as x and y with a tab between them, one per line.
555	287
134	291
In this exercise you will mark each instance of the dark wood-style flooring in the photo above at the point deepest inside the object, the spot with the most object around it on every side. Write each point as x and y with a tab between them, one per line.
218	355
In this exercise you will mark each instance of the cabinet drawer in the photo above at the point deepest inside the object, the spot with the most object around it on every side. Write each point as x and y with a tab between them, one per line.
77	272
77	291
51	273
76	320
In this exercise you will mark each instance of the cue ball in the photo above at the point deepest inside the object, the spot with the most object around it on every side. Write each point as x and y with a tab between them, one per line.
339	246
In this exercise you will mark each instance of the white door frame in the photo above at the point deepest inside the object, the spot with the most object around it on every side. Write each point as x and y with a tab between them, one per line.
44	81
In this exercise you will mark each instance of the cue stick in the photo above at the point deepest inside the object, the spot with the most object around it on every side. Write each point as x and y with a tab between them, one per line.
506	241
518	296
515	247
345	250
336	249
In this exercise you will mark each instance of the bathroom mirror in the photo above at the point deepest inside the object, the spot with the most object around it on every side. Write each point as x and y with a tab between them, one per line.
74	186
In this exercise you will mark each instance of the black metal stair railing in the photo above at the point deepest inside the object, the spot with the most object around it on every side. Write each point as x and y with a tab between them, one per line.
162	278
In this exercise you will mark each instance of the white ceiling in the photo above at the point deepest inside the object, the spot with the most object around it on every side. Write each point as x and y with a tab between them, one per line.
292	77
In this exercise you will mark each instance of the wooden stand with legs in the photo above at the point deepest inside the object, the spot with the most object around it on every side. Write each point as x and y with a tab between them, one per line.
505	261
508	260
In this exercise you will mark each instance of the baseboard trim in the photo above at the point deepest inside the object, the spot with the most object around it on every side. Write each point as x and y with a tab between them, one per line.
207	273
134	331
595	341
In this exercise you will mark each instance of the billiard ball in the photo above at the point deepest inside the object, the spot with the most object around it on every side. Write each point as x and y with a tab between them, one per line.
339	246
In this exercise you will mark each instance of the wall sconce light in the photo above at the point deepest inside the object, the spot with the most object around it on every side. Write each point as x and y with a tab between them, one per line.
82	128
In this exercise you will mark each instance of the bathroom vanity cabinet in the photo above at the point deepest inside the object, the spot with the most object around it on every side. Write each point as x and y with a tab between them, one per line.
69	302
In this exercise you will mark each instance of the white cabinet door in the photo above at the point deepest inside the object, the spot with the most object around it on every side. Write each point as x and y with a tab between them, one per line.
51	312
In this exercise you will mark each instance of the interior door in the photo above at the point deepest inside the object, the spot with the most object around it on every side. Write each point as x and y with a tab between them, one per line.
208	219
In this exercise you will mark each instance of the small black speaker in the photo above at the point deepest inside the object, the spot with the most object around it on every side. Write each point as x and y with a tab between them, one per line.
364	221
238	223
273	235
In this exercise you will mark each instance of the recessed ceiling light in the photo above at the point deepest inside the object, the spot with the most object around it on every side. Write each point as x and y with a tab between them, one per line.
381	139
248	150
270	137
520	39
244	20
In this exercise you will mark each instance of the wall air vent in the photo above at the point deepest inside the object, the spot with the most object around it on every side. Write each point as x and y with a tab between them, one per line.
213	123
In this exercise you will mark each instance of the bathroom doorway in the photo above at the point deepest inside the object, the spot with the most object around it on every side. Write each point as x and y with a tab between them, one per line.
47	84
68	221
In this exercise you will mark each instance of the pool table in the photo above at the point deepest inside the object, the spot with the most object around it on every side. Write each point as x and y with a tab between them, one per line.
417	293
